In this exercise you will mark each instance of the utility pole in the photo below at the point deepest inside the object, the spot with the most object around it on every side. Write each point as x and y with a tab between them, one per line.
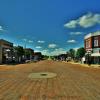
25	49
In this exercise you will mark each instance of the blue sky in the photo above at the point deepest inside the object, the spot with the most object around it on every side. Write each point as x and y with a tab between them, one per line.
49	26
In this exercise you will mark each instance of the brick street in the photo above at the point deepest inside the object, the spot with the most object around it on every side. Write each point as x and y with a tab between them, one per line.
73	82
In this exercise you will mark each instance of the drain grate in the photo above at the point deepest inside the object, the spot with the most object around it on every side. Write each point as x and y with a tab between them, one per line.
42	75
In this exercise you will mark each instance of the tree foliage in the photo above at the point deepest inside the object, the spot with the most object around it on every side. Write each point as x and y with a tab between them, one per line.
80	52
71	53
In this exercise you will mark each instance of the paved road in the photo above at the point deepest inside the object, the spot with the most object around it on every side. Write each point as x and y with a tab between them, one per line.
73	82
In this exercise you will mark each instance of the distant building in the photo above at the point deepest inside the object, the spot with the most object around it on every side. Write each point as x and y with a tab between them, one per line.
62	57
6	54
29	53
37	56
92	47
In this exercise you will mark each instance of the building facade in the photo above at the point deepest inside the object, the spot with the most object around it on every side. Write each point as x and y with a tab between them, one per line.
37	56
29	53
92	47
6	51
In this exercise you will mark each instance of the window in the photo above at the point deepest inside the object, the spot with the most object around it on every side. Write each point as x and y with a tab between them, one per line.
88	44
95	42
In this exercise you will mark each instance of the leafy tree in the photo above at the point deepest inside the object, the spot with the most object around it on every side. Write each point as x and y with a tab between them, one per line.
80	52
45	57
71	53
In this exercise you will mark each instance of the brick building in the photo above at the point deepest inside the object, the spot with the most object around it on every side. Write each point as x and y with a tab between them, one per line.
92	46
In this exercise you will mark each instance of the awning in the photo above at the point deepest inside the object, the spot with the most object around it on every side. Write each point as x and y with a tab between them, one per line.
95	54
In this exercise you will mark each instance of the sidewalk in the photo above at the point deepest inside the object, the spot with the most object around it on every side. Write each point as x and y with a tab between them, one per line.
86	65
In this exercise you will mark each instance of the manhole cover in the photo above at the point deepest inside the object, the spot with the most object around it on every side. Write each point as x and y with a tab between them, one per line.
42	75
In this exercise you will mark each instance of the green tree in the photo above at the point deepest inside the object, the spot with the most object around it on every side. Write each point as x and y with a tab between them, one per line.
80	52
71	53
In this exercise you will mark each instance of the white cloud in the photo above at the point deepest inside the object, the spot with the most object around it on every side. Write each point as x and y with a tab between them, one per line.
84	21
58	51
45	52
76	33
1	28
30	41
76	48
41	41
89	20
15	45
71	41
52	45
71	24
54	52
38	47
24	40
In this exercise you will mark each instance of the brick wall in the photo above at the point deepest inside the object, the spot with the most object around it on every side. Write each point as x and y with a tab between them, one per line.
90	42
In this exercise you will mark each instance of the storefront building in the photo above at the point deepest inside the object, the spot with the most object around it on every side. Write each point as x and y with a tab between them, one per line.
29	53
6	51
92	47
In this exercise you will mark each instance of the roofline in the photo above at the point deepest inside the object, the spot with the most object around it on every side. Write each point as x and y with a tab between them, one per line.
92	34
6	41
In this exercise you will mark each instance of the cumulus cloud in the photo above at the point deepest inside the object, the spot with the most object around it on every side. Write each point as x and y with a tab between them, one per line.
30	41
71	24
52	45
84	21
71	41
45	52
58	51
24	40
41	41
76	33
38	47
1	28
76	48
15	45
54	52
89	20
27	40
